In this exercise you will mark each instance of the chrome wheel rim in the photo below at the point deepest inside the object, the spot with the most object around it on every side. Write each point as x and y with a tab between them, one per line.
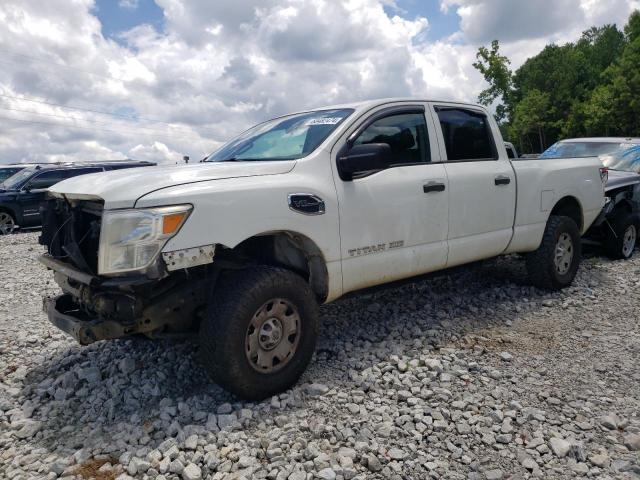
272	335
629	240
7	225
563	254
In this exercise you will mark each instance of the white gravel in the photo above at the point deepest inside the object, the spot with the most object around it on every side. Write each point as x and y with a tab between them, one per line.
470	376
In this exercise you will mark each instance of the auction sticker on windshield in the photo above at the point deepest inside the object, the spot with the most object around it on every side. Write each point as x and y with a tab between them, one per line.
323	121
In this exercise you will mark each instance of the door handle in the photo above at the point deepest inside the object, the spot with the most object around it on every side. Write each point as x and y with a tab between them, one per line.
433	187
502	180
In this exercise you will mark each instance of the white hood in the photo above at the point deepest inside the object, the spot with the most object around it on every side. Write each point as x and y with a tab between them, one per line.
121	188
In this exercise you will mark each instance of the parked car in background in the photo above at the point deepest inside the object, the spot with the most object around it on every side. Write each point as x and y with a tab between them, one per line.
511	150
301	210
22	193
590	147
618	225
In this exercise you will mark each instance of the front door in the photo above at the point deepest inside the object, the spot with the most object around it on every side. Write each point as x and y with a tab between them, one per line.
393	222
482	185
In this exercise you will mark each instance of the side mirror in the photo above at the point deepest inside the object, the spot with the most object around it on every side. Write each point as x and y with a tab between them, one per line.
363	158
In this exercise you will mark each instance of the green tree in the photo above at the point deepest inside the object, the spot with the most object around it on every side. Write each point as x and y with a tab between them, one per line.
624	85
495	70
599	118
588	87
632	28
531	116
600	46
562	72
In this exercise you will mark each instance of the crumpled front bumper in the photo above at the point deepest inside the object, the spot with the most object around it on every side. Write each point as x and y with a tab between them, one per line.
64	314
94	308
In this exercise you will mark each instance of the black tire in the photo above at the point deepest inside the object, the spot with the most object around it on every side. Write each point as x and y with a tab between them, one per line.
621	226
238	299
541	265
7	222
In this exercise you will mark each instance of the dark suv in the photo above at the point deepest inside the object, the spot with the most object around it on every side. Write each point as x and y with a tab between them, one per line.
22	193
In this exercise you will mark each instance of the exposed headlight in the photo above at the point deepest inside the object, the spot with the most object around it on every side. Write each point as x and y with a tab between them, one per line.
131	239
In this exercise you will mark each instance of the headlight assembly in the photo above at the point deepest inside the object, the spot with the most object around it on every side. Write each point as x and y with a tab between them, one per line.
130	240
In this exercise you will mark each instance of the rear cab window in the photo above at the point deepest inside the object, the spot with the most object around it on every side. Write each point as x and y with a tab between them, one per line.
467	134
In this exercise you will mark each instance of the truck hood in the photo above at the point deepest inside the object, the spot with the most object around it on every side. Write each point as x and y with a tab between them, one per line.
620	178
122	188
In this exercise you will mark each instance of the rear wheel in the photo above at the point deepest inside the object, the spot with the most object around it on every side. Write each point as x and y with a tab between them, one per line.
260	333
554	264
7	223
621	235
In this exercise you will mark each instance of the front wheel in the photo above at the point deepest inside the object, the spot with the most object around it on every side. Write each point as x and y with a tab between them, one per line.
7	223
554	264
260	333
621	235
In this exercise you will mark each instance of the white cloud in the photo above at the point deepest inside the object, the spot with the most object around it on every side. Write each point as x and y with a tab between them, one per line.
218	67
128	4
552	20
156	152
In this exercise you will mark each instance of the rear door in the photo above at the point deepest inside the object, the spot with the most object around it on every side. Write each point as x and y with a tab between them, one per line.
482	184
393	222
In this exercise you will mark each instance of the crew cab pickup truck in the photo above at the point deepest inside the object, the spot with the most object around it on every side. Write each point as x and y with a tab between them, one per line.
239	250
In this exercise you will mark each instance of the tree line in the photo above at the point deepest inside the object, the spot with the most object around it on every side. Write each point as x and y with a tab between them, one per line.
590	87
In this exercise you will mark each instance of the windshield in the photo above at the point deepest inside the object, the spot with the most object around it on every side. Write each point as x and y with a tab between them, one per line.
8	172
286	138
581	149
16	180
616	156
627	158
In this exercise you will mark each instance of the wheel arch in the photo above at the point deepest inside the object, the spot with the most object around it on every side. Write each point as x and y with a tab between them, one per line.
570	206
9	210
291	250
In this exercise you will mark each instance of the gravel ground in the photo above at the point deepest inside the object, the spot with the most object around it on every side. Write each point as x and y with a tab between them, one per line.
476	375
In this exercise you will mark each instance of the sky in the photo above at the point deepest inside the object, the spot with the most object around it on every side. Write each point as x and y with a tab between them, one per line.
160	79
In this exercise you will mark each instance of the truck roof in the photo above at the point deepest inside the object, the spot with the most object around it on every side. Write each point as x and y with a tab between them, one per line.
366	104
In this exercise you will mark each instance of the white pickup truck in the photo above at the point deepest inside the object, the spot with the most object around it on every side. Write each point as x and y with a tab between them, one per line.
295	212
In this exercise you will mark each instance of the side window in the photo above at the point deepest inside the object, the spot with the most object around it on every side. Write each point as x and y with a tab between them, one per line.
45	180
467	135
79	171
120	167
405	133
48	179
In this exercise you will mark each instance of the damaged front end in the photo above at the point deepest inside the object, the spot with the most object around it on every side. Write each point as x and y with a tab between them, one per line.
156	301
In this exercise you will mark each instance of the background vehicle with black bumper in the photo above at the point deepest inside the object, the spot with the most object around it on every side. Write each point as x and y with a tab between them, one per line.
22	193
238	251
616	228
